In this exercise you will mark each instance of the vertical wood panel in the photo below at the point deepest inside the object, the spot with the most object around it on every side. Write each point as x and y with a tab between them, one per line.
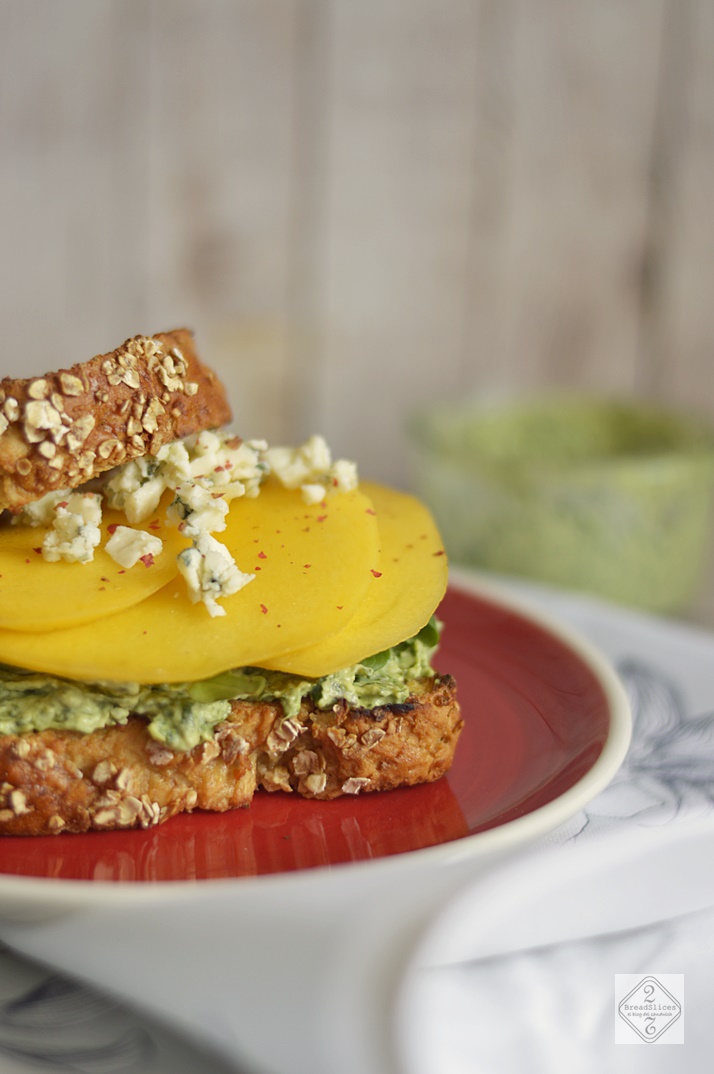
678	345
222	156
486	283
399	137
73	138
310	185
564	272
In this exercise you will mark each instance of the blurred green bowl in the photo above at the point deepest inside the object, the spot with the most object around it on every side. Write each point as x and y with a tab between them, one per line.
612	498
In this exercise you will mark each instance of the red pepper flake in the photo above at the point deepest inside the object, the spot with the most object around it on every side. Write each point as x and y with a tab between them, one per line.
257	568
64	503
377	574
28	561
113	528
263	609
262	555
321	518
37	551
307	565
103	579
371	511
340	607
441	553
334	482
147	560
155	524
121	572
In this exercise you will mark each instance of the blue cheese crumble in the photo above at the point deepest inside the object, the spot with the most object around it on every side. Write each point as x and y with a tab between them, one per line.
310	469
210	572
75	531
127	546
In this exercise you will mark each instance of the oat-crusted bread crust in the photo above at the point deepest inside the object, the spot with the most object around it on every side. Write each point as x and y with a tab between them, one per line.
55	781
62	429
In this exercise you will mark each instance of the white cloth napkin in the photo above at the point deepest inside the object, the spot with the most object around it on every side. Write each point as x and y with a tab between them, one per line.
519	972
394	966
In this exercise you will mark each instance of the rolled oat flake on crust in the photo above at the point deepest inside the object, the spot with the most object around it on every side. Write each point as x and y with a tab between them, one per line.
65	428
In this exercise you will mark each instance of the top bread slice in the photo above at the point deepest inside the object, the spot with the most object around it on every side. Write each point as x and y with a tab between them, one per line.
62	429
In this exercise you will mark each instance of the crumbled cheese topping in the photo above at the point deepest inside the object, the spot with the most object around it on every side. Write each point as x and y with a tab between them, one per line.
310	468
210	573
75	531
197	511
205	472
344	475
135	489
41	512
216	462
127	546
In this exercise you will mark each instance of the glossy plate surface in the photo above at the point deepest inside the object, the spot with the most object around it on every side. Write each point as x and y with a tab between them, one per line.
546	727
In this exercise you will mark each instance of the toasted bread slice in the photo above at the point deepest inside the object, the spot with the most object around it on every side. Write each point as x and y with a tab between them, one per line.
119	777
62	429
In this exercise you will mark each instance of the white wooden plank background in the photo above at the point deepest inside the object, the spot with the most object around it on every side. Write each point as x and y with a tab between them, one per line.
220	190
362	206
73	146
678	326
583	81
396	217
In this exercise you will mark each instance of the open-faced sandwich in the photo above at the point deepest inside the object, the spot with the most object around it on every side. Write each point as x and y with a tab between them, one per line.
186	616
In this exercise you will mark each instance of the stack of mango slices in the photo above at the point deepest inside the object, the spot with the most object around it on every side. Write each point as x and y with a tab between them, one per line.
334	583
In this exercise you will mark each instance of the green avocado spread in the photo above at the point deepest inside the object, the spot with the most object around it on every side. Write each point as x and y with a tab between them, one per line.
181	715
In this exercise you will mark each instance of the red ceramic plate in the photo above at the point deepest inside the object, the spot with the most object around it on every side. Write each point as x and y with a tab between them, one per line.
539	711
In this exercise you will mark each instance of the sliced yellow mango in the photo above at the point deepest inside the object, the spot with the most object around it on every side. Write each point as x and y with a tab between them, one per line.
411	581
312	568
39	596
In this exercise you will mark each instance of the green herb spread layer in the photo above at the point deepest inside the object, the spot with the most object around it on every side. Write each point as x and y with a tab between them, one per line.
181	715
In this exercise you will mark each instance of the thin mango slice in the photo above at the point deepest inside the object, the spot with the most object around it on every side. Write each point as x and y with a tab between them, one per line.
39	596
402	595
312	568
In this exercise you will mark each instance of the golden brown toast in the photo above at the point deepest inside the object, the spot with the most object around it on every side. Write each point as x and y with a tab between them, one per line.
120	777
62	429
